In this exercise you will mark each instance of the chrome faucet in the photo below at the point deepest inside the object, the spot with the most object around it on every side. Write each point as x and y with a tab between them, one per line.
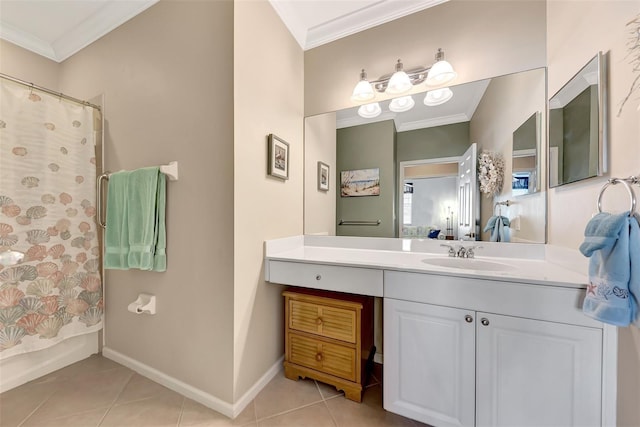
461	251
471	251
452	251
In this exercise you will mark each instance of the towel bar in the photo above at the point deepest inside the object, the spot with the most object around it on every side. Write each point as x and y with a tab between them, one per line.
374	223
170	170
625	183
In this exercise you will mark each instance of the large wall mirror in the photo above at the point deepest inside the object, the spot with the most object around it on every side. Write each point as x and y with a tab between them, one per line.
576	126
423	164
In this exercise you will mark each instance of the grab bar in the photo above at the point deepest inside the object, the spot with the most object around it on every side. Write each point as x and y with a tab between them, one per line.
374	223
625	183
101	178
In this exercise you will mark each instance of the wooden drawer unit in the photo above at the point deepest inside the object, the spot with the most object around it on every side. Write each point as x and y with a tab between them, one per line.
327	334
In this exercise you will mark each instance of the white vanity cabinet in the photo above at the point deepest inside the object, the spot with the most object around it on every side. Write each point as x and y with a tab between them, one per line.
470	360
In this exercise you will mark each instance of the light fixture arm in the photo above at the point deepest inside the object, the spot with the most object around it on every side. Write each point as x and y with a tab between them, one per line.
416	75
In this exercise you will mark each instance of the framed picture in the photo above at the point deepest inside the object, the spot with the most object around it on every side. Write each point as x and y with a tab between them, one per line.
323	176
361	182
278	157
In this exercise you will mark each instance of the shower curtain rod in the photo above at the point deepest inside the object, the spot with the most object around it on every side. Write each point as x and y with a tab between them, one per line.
51	92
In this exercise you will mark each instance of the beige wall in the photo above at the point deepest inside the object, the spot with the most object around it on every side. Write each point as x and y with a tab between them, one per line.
265	207
576	32
507	103
480	38
319	145
168	98
25	65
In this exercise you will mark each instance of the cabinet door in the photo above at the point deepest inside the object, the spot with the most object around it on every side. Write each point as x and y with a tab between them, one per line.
535	373
429	363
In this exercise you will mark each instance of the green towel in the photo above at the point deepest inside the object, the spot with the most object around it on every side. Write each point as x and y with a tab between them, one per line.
136	235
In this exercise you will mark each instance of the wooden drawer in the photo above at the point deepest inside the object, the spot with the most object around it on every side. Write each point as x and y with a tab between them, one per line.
332	359
322	320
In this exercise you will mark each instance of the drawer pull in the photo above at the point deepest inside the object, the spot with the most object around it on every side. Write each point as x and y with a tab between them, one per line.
485	321
468	318
318	277
319	357
319	321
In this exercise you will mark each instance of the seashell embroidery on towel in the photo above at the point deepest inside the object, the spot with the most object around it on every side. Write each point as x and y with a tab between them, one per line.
5	229
3	124
10	315
83	141
64	150
34	97
83	227
8	241
81	257
6	201
64	317
92	265
10	296
68	282
76	124
66	295
65	235
90	211
69	267
71	212
52	231
19	151
30	181
50	126
63	224
79	179
11	336
36	212
91	284
53	167
31	321
56	277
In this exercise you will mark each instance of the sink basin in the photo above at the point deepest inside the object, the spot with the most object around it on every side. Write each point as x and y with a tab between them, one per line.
468	264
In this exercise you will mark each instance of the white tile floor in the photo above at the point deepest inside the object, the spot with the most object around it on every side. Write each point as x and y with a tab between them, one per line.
100	392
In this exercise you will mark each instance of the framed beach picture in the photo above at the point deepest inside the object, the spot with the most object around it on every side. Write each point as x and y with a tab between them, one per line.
361	182
323	176
278	157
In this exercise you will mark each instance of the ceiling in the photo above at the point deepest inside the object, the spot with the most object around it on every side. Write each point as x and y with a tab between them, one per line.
57	29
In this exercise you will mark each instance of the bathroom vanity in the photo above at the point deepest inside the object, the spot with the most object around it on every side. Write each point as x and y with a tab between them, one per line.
495	340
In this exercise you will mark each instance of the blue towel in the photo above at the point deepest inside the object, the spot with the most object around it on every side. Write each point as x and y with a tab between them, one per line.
496	225
612	243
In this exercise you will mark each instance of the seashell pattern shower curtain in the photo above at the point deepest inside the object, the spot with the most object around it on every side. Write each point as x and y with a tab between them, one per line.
47	212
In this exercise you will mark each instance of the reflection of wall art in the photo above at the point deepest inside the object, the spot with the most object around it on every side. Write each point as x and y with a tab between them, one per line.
323	176
278	157
362	182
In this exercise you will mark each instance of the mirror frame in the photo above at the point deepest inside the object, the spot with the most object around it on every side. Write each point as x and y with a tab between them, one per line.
602	134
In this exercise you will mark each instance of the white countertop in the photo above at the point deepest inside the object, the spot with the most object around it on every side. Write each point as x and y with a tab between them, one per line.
524	263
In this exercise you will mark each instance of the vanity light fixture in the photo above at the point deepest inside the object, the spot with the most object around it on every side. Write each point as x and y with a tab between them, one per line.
401	104
437	97
401	81
369	111
363	91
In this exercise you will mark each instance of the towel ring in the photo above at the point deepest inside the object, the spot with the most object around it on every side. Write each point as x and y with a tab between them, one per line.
615	181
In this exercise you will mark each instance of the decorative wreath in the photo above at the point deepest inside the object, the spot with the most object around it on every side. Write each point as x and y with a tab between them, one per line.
490	172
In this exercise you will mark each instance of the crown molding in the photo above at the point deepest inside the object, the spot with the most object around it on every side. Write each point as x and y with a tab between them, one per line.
438	121
357	120
109	17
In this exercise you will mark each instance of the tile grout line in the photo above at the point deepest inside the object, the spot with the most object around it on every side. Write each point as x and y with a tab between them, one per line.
181	412
116	399
37	407
291	410
326	405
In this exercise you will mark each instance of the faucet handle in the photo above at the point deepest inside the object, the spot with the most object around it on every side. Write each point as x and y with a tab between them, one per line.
471	251
452	251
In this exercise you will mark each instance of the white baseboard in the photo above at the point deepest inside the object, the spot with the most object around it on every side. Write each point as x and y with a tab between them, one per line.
231	410
22	368
246	398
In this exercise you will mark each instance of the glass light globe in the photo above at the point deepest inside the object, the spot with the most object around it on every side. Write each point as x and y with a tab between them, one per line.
363	90
440	73
369	111
404	103
438	97
399	82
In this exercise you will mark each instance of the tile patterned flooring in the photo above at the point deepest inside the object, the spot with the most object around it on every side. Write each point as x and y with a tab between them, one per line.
100	392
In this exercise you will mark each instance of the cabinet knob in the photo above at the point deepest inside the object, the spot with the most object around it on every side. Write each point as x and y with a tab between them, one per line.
318	277
468	318
484	321
319	321
319	357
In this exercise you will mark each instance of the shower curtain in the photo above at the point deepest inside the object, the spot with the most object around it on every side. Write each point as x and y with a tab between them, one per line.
47	213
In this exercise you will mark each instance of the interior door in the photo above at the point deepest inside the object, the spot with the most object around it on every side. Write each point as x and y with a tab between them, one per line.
468	196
